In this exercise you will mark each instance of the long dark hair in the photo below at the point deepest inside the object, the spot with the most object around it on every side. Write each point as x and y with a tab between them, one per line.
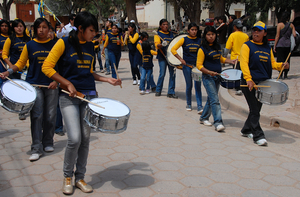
15	23
133	26
146	46
205	43
8	25
37	23
286	16
144	35
161	22
83	19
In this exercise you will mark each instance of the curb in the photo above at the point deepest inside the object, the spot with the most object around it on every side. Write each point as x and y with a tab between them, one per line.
230	103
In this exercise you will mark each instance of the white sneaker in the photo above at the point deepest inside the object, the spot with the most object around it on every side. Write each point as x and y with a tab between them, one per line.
205	122
138	82
147	91
239	92
49	149
200	111
262	142
250	135
220	127
35	156
142	92
134	82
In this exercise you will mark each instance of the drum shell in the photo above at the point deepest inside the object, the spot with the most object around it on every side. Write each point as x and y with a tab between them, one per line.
106	124
196	76
228	83
13	106
277	94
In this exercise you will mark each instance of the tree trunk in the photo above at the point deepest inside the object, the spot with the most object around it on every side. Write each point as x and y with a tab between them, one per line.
131	10
5	7
219	7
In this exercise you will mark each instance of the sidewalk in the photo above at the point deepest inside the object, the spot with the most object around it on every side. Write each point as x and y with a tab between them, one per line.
286	116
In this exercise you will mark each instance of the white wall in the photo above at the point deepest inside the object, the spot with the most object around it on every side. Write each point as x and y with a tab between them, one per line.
154	11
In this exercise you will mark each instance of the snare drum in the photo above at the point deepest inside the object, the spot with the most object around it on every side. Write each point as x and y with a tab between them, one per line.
113	119
172	60
231	78
277	94
196	74
16	99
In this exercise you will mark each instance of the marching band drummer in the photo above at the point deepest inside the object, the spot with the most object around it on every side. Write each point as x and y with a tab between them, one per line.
190	45
132	41
43	112
209	61
75	58
257	61
113	43
164	36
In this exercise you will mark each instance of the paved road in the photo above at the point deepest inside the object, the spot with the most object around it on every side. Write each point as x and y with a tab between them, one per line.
164	152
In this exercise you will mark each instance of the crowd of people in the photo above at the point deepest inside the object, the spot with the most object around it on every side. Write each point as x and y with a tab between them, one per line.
63	57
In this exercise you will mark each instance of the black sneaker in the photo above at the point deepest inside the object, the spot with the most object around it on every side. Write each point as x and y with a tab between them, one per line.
157	93
153	89
172	96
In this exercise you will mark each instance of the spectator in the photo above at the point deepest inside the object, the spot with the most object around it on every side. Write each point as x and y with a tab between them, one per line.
230	24
65	30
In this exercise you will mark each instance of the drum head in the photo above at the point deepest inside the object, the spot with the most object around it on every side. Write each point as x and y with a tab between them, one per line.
196	70
16	94
171	58
231	74
112	107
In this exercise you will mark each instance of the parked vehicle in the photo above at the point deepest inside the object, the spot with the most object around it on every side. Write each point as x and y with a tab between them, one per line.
209	22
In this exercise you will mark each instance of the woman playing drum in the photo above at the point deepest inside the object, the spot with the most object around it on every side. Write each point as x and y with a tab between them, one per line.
43	112
190	45
209	61
4	33
257	61
75	58
161	40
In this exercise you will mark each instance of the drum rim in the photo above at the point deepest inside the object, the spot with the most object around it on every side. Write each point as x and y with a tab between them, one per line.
7	98
107	115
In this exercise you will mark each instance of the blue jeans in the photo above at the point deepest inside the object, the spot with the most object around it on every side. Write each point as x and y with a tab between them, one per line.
78	131
145	73
212	85
114	58
187	73
134	68
43	118
107	63
163	64
99	59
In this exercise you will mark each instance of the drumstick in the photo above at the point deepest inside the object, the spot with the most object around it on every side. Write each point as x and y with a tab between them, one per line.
223	75
83	99
236	61
14	82
3	64
42	86
257	86
117	74
157	34
283	66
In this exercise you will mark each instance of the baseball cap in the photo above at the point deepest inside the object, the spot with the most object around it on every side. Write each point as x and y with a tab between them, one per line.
238	23
260	25
132	21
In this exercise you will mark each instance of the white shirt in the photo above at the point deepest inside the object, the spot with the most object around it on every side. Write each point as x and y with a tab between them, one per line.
65	31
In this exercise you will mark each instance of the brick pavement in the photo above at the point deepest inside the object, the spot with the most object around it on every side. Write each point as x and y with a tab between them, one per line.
164	152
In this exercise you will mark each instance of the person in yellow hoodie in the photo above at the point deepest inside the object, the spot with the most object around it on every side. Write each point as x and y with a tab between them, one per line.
257	61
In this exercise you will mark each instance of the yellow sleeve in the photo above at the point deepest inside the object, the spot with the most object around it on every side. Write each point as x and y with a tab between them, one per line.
244	62
153	52
53	57
156	41
6	48
222	59
275	65
22	61
139	47
176	46
200	59
122	42
134	39
106	41
229	42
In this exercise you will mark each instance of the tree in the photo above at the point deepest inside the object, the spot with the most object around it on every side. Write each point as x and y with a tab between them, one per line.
66	7
5	7
101	8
